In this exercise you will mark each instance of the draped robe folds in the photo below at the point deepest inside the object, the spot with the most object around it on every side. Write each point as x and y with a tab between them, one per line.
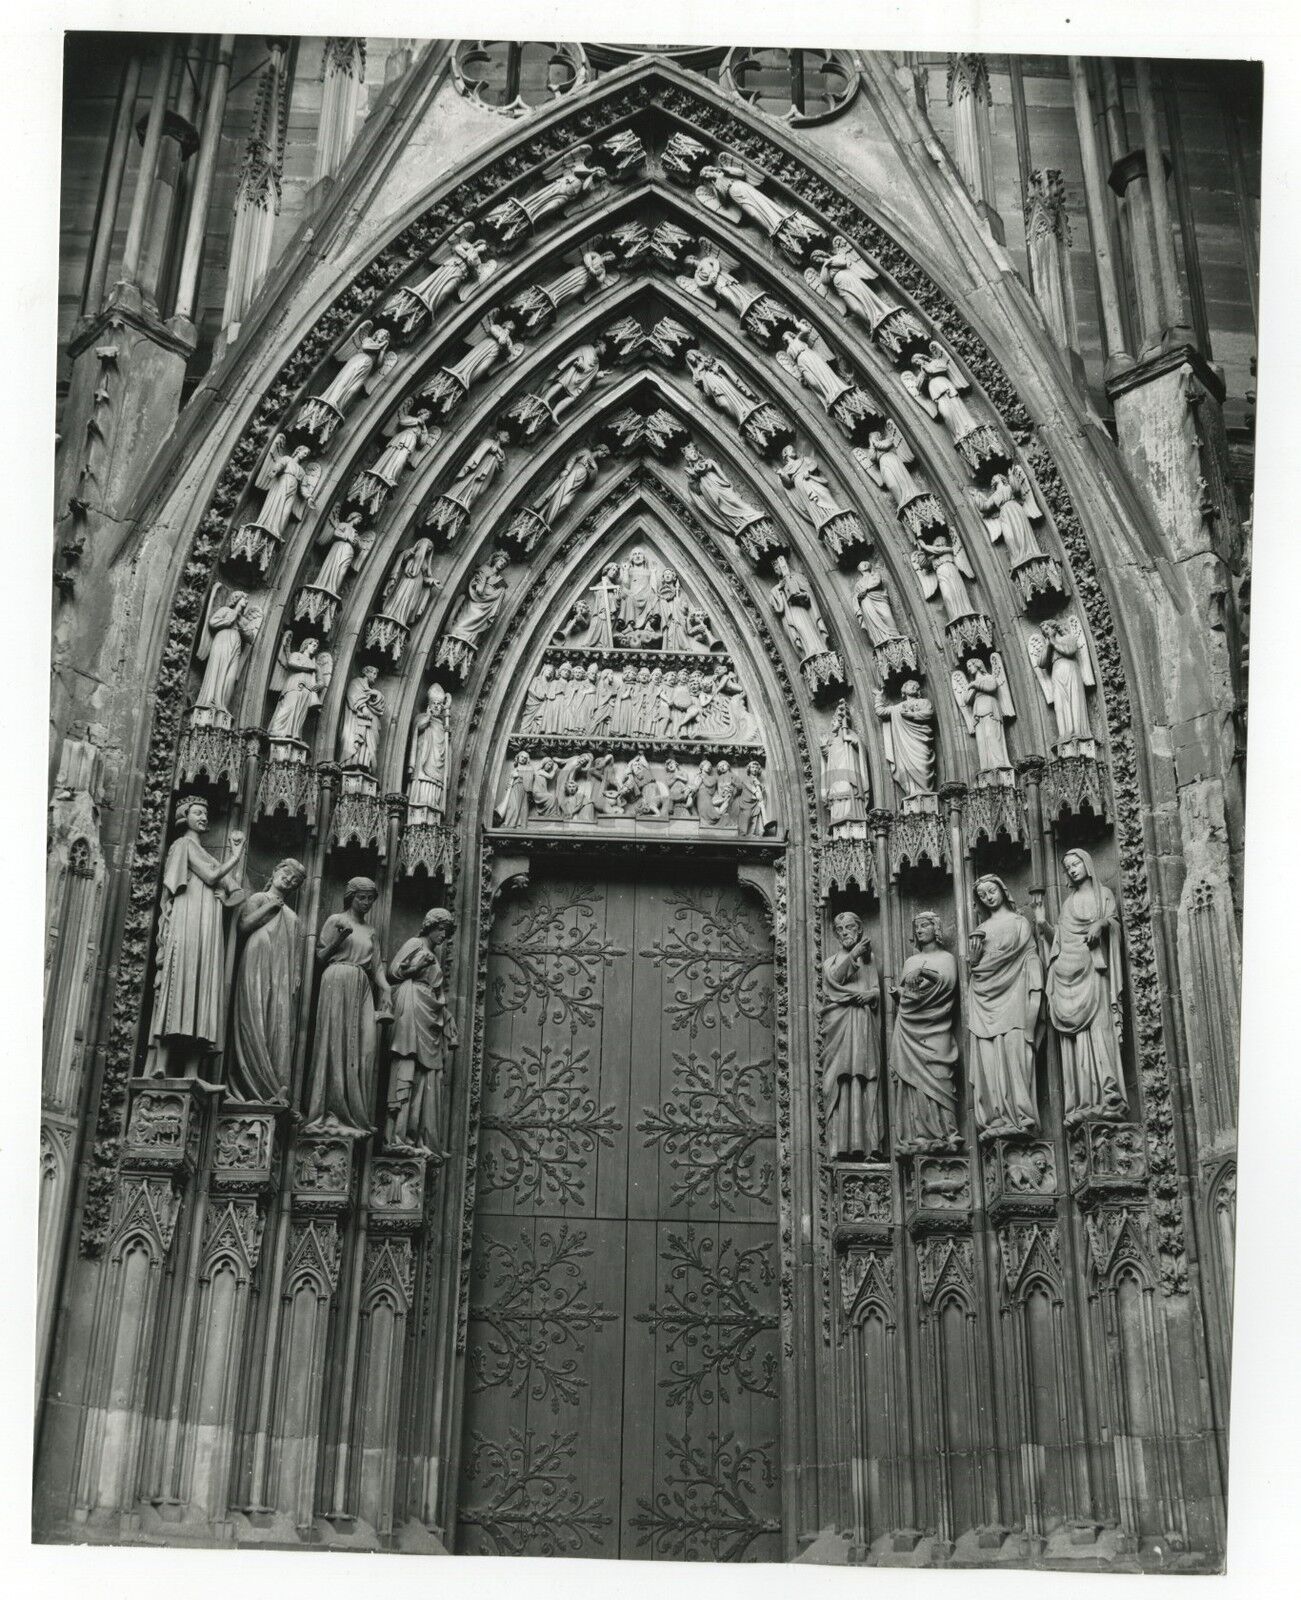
343	1053
282	494
851	1056
991	739
1015	524
895	474
1082	986
1004	994
190	983
262	1021
910	745
722	499
354	372
846	786
477	473
853	289
513	812
924	1052
359	735
337	564
424	1034
794	605
483	598
876	611
297	698
429	763
224	655
1070	703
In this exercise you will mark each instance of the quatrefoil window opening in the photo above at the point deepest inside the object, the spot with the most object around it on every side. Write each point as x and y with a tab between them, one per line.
516	76
793	85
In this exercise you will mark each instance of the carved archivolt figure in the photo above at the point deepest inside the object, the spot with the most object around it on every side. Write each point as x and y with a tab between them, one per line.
482	600
579	470
752	816
985	702
366	359
353	998
1004	1001
875	611
806	488
482	465
923	1049
570	176
424	1036
794	604
713	494
909	730
302	677
936	387
407	592
577	373
266	991
362	718
842	276
716	380
346	547
1059	653
409	440
805	360
290	478
513	812
846	784
711	282
496	346
1010	511
851	1050
232	623
727	189
941	566
886	458
461	272
1084	985
189	1016
427	771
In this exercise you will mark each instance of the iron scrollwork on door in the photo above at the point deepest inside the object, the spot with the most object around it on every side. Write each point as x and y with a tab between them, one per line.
555	960
716	962
706	1511
714	1128
548	1125
534	1507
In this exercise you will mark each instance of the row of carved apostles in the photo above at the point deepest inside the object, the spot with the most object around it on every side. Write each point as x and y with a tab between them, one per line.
200	1019
595	785
1020	975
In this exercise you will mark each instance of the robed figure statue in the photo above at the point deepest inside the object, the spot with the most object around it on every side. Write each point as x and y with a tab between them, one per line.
264	1011
923	1050
851	1050
1084	984
424	1035
341	1096
1004	1000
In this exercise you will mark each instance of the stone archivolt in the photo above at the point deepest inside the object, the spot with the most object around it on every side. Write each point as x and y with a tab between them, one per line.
595	691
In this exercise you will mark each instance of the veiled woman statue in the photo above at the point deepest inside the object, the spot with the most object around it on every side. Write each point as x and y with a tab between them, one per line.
424	1036
794	604
189	1016
407	592
923	1049
851	1049
482	600
481	466
806	488
427	772
580	469
1004	1000
352	999
1084	985
712	491
266	991
875	609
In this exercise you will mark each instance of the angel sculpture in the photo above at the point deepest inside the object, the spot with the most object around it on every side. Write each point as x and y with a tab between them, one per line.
732	190
909	736
477	472
716	380
1010	510
232	623
842	276
710	282
985	702
713	495
409	437
942	567
795	605
592	272
936	388
571	175
450	385
806	488
464	270
363	712
346	547
408	591
804	359
578	471
1059	653
290	478
886	458
577	373
302	676
366	362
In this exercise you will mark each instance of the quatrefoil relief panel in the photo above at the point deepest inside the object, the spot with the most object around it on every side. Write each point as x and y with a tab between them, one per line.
515	77
793	85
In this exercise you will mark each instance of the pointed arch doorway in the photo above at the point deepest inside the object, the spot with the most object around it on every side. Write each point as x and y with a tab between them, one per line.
622	1374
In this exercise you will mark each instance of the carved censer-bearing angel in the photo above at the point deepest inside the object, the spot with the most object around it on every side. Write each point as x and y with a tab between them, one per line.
366	360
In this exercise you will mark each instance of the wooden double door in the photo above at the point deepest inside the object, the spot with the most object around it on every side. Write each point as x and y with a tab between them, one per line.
622	1369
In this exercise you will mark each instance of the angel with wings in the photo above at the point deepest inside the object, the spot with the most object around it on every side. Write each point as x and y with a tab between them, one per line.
936	388
732	190
886	458
1010	510
290	478
461	272
806	487
570	176
842	276
985	702
942	568
496	346
1059	653
806	358
232	624
346	547
710	282
409	436
717	382
366	359
302	676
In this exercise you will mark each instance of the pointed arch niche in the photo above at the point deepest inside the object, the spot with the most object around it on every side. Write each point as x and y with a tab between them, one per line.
605	337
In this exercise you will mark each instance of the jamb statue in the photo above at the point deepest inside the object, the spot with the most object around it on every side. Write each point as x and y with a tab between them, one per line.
352	999
424	1036
923	1049
851	1049
264	1010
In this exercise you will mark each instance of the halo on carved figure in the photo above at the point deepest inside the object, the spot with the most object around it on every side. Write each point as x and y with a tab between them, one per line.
794	84
514	76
